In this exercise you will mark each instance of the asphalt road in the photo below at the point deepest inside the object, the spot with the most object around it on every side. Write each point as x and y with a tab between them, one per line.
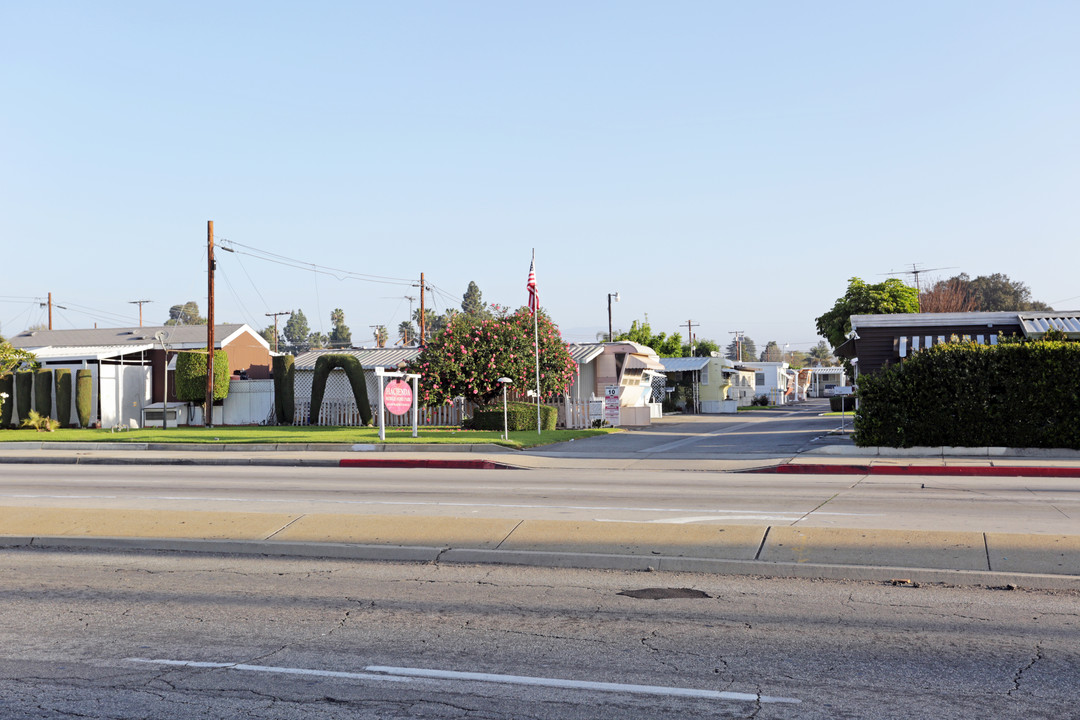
173	636
983	504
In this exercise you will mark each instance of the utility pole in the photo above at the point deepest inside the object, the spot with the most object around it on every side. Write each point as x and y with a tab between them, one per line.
275	316
423	319
140	303
738	342
50	305
208	418
690	325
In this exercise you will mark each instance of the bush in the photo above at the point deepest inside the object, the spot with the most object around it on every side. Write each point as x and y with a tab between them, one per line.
7	385
519	416
353	370
969	395
284	388
43	387
84	388
63	396
191	376
760	401
842	403
24	392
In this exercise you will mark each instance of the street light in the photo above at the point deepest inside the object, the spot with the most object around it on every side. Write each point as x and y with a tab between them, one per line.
610	335
505	381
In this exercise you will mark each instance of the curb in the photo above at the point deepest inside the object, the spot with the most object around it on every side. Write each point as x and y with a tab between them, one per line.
426	464
590	561
944	470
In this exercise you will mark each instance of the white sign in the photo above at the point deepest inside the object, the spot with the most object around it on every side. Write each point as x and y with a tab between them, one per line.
611	404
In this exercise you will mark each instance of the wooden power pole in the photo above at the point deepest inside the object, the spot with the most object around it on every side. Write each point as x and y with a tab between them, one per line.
275	316
208	417
140	303
423	319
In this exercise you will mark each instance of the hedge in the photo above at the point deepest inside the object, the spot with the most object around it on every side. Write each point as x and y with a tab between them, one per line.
7	385
84	388
519	416
191	375
24	393
969	395
63	396
43	387
284	388
353	370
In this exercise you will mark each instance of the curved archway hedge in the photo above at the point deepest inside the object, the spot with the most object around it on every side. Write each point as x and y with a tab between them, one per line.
353	370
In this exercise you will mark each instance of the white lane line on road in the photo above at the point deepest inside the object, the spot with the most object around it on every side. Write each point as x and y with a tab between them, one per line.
427	503
693	439
405	674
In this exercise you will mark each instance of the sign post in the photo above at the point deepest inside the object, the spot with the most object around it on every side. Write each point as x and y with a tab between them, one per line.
396	397
611	404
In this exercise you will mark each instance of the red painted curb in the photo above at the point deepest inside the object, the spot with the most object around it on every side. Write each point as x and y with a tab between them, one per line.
431	464
955	470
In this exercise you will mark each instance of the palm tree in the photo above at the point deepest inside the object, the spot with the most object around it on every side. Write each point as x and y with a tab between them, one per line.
406	333
381	335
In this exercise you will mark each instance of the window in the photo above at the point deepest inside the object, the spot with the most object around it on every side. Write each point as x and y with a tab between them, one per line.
759	379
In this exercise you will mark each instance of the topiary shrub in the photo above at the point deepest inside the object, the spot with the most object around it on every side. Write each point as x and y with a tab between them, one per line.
519	416
190	376
43	387
353	370
7	385
84	388
284	388
24	393
63	396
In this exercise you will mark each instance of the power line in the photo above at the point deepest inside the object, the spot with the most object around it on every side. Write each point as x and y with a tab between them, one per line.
338	273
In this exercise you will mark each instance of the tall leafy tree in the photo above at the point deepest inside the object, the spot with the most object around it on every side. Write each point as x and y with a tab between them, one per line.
340	336
296	331
702	347
268	335
820	354
468	358
889	296
317	340
12	358
747	351
185	314
641	333
472	302
772	352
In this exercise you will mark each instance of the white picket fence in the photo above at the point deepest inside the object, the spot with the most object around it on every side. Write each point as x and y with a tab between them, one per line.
573	414
346	413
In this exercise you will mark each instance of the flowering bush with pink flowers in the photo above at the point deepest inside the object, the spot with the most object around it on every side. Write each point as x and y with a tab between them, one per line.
472	353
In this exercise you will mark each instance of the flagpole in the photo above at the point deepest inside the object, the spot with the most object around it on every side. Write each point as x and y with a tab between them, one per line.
536	348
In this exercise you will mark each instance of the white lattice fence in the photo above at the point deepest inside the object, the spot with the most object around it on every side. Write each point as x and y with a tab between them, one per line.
339	408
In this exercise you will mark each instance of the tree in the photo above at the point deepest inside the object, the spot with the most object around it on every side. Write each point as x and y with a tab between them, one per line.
186	314
890	296
952	295
12	358
772	352
380	335
406	333
821	355
747	352
472	302
429	322
665	345
700	348
469	357
296	331
267	334
340	336
317	340
993	293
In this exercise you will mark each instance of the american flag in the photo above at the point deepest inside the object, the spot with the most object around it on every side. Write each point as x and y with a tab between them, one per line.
534	296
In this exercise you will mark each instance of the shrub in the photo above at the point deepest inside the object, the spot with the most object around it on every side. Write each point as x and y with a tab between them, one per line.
7	385
41	423
191	376
353	370
24	392
519	416
760	401
969	395
84	387
43	387
284	388
63	396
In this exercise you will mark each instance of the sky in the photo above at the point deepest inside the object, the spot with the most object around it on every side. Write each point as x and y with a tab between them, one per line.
727	164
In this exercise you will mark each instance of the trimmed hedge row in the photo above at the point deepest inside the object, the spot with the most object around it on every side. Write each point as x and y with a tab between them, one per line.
24	393
63	396
519	416
191	375
969	395
84	386
284	388
353	370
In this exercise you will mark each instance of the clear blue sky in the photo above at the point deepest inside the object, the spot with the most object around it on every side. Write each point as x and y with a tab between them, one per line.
727	163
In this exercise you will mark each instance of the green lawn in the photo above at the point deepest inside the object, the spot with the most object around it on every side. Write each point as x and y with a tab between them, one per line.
300	435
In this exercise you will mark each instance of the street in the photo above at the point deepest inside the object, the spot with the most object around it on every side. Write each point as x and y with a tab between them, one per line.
155	635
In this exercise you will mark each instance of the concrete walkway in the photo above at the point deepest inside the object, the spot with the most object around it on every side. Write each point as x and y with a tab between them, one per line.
971	557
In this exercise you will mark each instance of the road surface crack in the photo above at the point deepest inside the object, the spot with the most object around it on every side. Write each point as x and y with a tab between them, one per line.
1020	673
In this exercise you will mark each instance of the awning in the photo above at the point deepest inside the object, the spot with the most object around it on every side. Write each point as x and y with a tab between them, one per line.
642	362
686	364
